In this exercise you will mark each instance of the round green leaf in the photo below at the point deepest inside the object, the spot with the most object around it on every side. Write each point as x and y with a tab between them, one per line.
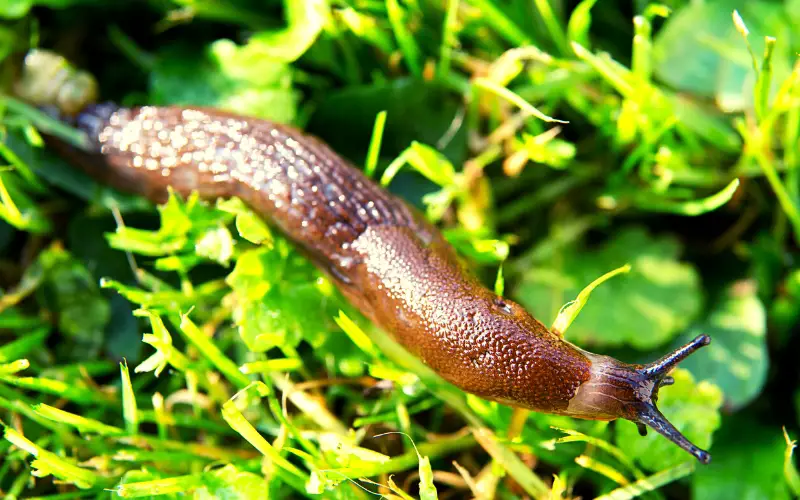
644	308
70	290
736	359
747	464
699	50
277	299
15	9
305	20
226	76
230	483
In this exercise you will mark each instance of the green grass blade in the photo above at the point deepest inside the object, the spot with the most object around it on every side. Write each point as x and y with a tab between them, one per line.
650	483
515	467
47	463
690	208
513	98
405	39
374	150
129	410
789	470
82	424
210	350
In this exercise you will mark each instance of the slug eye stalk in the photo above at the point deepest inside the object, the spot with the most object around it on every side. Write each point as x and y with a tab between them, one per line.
658	370
655	377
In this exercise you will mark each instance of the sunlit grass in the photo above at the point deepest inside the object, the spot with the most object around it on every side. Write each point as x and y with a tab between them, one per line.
251	376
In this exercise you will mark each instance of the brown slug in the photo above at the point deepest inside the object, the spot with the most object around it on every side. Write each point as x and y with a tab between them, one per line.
388	261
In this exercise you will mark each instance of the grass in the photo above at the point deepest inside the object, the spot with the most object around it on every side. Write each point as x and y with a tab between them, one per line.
188	349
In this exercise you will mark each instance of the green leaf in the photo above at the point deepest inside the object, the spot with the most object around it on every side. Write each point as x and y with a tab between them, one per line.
255	272
166	299
18	208
784	312
7	39
186	226
656	203
226	76
345	452
228	482
431	163
417	111
209	349
15	9
234	417
356	334
401	23
699	50
281	318
580	21
25	344
82	424
736	360
572	308
484	251
527	479
789	470
547	149
305	20
427	490
136	484
48	463
374	151
692	407
249	225
513	98
130	411
644	308
161	340
13	319
71	291
651	483
215	244
748	463
278	301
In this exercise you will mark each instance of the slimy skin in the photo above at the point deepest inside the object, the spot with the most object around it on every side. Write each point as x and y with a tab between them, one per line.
387	260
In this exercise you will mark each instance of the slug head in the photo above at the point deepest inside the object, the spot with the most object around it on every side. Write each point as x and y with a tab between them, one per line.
621	390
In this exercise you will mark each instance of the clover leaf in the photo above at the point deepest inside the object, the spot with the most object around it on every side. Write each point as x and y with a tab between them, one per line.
747	463
643	309
226	76
736	360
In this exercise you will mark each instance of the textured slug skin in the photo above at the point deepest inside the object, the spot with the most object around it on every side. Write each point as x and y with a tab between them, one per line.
388	261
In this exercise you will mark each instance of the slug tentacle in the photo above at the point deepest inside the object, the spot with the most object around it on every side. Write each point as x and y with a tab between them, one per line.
648	414
658	369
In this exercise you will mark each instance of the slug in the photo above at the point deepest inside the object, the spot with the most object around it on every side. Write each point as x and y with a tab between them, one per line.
386	259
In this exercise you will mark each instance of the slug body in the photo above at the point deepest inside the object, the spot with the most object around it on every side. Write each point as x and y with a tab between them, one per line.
388	261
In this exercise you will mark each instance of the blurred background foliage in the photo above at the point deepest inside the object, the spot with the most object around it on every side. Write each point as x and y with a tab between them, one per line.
556	139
